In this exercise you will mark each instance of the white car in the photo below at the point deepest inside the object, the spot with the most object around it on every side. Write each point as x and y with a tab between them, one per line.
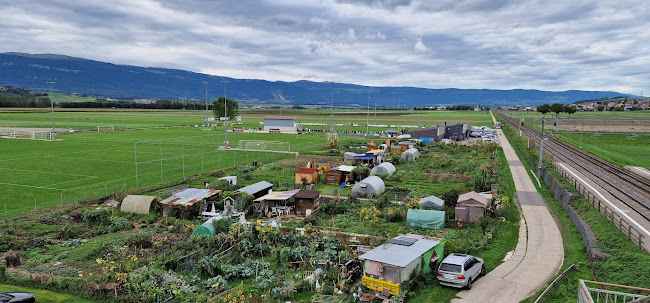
460	270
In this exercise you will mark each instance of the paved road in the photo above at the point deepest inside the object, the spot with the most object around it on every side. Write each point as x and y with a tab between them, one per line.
539	253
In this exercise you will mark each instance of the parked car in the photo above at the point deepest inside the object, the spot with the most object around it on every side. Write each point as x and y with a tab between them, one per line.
17	297
460	270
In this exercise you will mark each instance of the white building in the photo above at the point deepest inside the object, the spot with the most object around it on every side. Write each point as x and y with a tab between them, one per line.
280	124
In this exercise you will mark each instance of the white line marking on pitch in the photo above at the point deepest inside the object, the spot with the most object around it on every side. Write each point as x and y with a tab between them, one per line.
47	172
608	202
32	186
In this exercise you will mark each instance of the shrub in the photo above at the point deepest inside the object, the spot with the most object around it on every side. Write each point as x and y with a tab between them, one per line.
221	226
139	240
71	231
217	284
450	197
97	217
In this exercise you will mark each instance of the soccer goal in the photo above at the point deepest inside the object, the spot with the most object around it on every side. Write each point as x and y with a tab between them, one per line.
264	145
105	128
26	134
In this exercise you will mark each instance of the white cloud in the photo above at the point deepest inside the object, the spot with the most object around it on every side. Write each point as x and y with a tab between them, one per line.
550	45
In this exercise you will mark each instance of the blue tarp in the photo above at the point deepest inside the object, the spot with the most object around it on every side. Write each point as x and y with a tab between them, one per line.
427	140
366	157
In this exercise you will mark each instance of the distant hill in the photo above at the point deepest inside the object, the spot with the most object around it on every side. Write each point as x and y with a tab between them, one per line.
82	76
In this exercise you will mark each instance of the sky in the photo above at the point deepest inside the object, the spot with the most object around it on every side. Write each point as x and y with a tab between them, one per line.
496	44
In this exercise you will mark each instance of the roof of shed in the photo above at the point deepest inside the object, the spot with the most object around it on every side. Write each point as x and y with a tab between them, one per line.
472	195
190	196
400	255
305	170
255	188
307	194
280	117
278	195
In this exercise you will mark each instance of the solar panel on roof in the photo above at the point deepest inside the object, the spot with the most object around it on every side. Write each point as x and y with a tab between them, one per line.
404	241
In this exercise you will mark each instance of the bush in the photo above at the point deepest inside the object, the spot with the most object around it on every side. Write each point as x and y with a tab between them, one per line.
139	240
71	231
450	197
97	217
221	226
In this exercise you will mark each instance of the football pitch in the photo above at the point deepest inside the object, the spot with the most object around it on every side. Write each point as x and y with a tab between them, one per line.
42	174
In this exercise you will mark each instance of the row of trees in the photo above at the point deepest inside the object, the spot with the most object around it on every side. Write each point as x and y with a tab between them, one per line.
556	108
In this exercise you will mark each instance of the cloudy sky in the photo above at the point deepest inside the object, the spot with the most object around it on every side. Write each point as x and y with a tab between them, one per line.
498	44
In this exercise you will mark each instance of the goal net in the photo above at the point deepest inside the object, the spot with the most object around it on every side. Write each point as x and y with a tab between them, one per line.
106	128
264	145
26	134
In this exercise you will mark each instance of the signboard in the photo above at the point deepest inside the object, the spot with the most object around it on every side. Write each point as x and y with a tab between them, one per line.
224	118
238	118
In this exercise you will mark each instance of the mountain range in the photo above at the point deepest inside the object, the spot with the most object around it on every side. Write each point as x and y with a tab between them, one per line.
83	76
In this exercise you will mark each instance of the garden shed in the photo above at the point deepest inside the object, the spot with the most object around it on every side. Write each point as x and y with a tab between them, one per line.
383	169
206	228
275	202
410	154
471	207
432	203
338	174
187	198
425	219
138	204
390	264
405	145
349	156
371	185
321	166
256	190
306	201
306	175
230	179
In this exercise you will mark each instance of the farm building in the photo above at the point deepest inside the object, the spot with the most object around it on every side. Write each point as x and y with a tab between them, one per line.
410	154
188	198
275	202
471	207
391	132
452	131
306	201
432	203
390	264
280	124
137	204
383	169
372	185
306	175
321	166
425	219
256	190
337	174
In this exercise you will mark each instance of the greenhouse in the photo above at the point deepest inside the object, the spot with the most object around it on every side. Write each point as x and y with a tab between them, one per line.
383	169
372	185
410	154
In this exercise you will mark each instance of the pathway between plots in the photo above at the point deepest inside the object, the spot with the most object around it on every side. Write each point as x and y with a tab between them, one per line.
539	253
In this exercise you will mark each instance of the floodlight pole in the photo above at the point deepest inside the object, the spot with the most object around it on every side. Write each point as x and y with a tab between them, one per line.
368	118
207	124
541	149
332	109
376	89
225	111
52	103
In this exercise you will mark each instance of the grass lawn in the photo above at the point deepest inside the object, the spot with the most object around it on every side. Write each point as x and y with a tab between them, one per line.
45	296
619	150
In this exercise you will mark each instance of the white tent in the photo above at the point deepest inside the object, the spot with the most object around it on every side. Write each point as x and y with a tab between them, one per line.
383	169
410	154
371	185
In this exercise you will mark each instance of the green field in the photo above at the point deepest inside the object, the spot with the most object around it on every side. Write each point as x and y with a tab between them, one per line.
620	150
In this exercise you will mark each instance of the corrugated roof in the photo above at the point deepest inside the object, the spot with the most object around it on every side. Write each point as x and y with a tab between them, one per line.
190	196
475	196
399	255
255	188
305	170
281	117
278	195
345	168
307	194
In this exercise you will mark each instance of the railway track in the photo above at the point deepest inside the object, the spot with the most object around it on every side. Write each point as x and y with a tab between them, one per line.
629	188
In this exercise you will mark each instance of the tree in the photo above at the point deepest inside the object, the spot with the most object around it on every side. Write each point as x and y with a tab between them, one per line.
570	109
601	108
557	108
232	105
360	173
544	109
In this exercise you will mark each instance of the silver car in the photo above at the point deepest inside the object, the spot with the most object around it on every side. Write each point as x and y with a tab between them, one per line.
460	270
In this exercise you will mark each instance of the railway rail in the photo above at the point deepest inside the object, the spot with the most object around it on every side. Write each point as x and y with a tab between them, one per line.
629	188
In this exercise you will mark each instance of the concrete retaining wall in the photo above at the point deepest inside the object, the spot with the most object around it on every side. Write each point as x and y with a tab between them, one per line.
564	197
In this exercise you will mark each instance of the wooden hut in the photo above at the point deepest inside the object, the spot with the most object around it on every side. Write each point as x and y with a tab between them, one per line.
306	175
306	201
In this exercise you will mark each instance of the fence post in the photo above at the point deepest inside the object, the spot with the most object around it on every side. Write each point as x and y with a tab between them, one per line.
105	189
183	152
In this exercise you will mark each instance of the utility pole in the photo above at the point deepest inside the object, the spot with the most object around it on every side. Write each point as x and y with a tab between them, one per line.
541	149
376	89
207	124
52	103
225	111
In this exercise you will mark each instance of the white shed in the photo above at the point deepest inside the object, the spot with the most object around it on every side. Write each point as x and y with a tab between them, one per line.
280	124
370	185
383	169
